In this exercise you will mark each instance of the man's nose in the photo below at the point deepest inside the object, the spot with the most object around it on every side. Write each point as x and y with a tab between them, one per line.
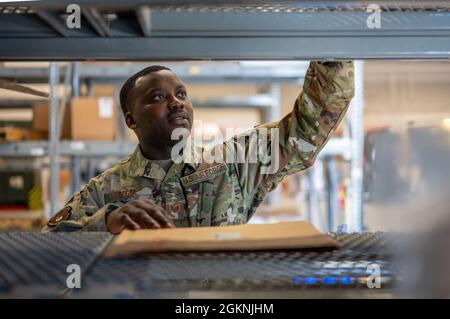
175	103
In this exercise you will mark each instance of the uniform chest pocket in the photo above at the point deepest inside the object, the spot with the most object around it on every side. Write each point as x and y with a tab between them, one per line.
120	195
201	189
129	194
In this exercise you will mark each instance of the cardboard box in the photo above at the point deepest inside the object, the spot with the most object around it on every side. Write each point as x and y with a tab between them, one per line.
85	118
40	117
93	118
10	134
39	123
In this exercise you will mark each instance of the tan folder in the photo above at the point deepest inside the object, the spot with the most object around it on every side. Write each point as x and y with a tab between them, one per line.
291	235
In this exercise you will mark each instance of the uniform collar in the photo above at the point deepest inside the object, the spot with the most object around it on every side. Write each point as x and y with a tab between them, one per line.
139	165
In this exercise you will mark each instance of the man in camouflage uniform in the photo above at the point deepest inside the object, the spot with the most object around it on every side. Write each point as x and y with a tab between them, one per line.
149	190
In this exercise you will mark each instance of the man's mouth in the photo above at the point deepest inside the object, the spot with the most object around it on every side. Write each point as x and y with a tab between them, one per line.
179	119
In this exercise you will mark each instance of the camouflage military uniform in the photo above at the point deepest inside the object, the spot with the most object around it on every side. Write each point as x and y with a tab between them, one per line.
215	194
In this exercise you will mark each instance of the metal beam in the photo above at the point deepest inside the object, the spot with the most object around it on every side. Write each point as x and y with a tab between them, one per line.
143	15
263	101
255	72
251	36
69	148
28	74
100	149
297	24
252	101
53	20
253	48
97	22
267	71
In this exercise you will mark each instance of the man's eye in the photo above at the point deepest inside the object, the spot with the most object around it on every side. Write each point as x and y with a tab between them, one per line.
182	94
157	97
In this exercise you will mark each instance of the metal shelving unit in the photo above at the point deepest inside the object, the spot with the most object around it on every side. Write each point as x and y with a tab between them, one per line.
217	30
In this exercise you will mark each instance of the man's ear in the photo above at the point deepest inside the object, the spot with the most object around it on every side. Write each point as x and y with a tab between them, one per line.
131	123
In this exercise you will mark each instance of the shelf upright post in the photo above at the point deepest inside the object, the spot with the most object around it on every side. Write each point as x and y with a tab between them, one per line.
75	164
355	214
53	142
75	79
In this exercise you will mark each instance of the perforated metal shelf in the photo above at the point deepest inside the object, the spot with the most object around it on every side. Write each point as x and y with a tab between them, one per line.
238	6
31	259
345	267
34	259
40	260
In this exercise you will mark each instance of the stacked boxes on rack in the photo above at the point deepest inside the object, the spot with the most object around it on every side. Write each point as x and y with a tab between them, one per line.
85	118
24	193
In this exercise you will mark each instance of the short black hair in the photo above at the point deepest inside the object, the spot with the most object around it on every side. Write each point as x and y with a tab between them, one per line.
128	86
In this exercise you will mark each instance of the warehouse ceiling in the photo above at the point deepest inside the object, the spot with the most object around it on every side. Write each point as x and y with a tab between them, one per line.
245	30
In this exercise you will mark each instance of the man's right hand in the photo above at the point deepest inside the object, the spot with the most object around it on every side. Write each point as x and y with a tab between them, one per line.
138	214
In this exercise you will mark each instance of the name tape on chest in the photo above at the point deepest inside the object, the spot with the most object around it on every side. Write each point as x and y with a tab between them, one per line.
203	175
